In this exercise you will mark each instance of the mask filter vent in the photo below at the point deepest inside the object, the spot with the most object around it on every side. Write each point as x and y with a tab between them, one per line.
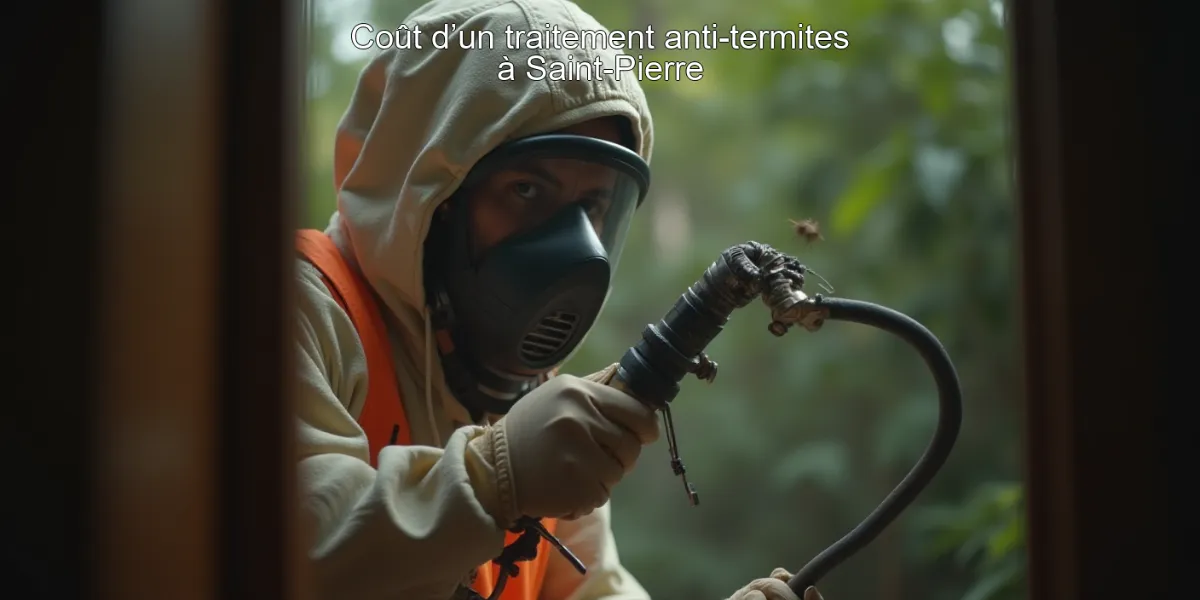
549	337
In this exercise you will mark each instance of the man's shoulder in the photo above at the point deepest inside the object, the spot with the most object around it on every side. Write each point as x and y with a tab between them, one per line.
324	324
306	272
313	296
310	281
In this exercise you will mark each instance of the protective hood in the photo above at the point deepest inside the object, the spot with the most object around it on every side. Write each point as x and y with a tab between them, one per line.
421	118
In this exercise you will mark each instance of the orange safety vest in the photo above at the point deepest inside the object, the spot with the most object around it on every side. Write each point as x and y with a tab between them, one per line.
382	416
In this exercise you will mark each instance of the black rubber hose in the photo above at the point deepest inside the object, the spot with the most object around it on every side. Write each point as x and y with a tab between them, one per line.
652	369
949	422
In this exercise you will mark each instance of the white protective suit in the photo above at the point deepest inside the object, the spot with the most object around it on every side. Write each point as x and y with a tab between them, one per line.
418	121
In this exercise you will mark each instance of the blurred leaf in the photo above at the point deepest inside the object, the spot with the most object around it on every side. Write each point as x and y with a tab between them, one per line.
1007	540
868	188
986	534
990	585
821	463
870	184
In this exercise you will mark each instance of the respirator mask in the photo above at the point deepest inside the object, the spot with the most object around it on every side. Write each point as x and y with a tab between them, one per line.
520	260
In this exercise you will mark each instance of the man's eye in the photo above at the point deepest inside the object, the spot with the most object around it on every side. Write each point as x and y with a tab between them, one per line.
526	190
595	207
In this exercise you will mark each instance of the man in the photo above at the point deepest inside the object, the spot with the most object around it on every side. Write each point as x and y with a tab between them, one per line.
468	256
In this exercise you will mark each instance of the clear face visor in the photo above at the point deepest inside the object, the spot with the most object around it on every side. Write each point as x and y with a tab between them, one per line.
521	185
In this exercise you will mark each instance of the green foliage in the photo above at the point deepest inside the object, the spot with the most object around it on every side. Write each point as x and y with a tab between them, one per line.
986	535
898	146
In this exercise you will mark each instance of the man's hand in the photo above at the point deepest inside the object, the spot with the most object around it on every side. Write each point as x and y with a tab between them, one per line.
562	448
774	587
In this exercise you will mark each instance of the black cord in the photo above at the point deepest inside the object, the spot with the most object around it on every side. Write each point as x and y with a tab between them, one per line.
523	549
935	455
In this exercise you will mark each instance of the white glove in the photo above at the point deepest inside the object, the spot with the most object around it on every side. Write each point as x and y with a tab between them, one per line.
774	587
561	449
